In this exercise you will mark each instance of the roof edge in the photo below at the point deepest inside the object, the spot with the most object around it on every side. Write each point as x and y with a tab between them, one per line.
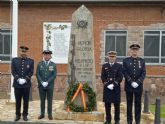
88	1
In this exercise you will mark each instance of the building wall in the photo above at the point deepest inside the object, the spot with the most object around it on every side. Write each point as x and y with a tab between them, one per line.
134	18
155	86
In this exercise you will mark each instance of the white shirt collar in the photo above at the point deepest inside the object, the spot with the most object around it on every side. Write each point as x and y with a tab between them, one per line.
47	61
111	63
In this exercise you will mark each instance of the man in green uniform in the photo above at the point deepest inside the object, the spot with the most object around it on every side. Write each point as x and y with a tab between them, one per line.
46	74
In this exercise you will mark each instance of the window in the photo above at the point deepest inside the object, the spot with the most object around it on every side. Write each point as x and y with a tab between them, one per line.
163	48
154	46
5	44
116	41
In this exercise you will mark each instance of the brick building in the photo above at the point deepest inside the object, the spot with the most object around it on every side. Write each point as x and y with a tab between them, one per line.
117	24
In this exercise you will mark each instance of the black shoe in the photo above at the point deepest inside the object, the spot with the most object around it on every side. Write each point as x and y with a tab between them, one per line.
50	117
129	122
17	118
117	122
41	116
107	122
25	118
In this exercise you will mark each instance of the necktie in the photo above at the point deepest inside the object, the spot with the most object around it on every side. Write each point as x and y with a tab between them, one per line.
46	63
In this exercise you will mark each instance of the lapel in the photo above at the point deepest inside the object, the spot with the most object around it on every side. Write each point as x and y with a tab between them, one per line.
130	62
20	61
44	65
114	64
27	62
49	64
109	66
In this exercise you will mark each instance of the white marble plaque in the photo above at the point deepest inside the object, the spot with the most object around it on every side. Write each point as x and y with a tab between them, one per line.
56	38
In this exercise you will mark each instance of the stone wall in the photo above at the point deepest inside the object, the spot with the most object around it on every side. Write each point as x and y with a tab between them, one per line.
4	85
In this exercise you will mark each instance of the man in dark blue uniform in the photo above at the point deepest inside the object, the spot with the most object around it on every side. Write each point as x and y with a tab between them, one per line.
22	70
46	74
134	72
112	76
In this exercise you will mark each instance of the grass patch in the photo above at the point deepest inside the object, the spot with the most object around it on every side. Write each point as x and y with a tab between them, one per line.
162	110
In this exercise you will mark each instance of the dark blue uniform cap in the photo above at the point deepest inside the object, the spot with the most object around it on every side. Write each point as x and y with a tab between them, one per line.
134	46
47	52
24	48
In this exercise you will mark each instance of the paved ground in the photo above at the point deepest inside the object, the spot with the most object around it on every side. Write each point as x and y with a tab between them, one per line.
7	114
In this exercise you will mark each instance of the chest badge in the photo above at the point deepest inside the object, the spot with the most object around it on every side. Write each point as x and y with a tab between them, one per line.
50	68
139	64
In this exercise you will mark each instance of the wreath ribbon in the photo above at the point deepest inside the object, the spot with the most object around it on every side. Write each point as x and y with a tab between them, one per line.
79	89
86	91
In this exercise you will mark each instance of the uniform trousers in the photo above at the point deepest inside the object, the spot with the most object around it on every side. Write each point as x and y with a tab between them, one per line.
43	94
19	94
137	105
108	112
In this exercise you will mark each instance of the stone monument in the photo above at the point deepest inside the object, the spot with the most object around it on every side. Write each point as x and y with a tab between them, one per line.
81	64
81	54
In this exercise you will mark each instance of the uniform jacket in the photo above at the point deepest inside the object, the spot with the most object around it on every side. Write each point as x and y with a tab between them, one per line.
22	68
111	74
134	70
46	73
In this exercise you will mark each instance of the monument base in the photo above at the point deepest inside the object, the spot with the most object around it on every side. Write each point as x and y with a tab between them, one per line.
61	114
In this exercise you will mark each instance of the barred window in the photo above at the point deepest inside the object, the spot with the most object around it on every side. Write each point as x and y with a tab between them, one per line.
5	44
116	41
154	46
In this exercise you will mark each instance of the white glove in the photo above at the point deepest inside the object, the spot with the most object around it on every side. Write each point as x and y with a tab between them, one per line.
24	81
110	86
21	81
44	84
134	84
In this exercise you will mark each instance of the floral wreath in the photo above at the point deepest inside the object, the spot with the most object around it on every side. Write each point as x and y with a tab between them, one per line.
85	90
